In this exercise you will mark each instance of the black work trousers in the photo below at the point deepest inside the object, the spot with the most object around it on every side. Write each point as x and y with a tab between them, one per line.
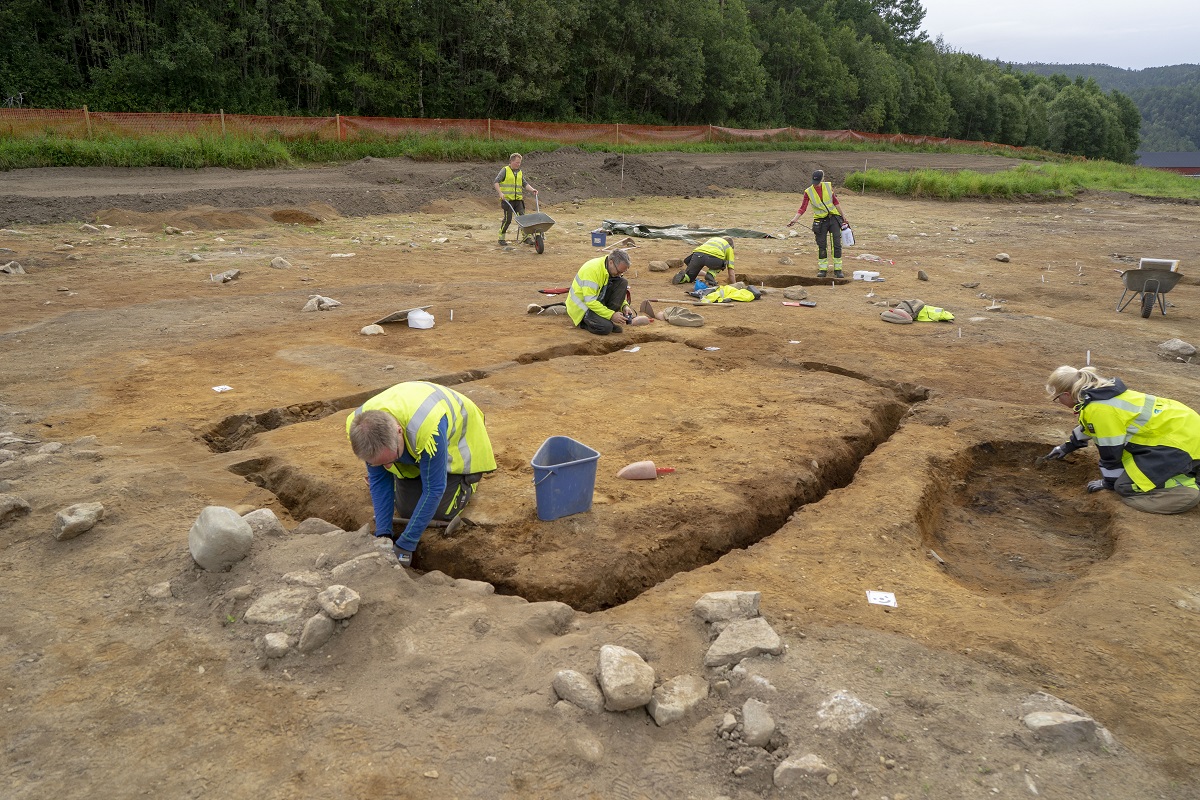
612	295
825	227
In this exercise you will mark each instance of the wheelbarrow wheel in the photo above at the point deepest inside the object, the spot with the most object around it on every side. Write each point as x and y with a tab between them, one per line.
539	243
1147	304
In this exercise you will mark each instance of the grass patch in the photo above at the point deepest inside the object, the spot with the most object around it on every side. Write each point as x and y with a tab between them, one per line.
151	151
1043	180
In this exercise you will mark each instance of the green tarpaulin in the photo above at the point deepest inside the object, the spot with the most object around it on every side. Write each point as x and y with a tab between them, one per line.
682	232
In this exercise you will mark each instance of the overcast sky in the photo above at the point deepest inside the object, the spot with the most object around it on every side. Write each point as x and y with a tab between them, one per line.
1119	33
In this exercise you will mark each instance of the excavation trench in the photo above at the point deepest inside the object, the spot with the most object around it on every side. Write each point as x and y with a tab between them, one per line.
639	533
1001	525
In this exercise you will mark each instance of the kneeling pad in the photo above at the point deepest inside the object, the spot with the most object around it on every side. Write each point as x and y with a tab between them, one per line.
897	315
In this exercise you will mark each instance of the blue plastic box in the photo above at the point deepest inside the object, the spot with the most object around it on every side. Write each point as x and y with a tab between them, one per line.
564	477
599	238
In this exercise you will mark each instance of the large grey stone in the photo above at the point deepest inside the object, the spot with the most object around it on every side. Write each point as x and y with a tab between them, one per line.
1177	348
796	768
843	712
675	699
726	606
317	631
578	689
219	538
279	607
77	519
12	507
276	645
359	566
339	602
314	525
263	522
743	639
626	680
757	723
1059	729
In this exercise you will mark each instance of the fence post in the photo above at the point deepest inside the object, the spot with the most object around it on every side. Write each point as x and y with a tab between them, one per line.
87	120
222	123
618	133
339	127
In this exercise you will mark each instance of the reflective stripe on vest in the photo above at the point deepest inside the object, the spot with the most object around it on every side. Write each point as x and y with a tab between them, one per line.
821	207
1144	412
585	288
512	183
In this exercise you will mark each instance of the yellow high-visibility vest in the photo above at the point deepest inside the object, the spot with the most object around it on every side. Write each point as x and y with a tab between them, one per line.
512	183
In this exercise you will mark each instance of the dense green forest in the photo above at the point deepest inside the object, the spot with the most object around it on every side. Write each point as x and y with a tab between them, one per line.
1168	99
862	64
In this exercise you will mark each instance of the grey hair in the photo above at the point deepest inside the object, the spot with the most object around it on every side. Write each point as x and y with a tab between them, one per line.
372	432
1075	381
728	239
515	155
619	257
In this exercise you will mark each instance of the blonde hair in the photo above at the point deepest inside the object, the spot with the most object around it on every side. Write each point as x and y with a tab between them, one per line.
515	155
372	432
1075	381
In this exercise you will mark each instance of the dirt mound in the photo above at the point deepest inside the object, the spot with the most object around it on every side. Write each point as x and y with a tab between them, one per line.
208	218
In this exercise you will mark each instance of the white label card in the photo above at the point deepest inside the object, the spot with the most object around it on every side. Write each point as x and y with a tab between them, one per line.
881	598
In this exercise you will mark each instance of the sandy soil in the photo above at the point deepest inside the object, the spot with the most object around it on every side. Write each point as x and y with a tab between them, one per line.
819	453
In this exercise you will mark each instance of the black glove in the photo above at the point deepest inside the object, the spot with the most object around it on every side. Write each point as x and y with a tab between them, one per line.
1056	453
1096	485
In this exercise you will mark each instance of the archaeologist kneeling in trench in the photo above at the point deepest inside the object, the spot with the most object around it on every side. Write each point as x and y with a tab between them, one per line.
599	295
426	449
1149	446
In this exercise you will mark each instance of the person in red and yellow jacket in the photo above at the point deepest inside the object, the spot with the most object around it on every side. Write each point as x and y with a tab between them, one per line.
828	220
1149	446
426	448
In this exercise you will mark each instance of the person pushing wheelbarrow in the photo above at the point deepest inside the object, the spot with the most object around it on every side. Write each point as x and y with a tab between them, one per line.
510	183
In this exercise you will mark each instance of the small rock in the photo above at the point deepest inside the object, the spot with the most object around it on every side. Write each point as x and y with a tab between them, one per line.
579	690
673	700
279	607
275	645
314	525
757	724
1059	729
50	447
279	262
726	606
728	723
921	275
263	522
844	712
317	631
13	268
76	519
893	237
373	330
11	506
795	293
339	602
193	258
63	248
160	591
86	228
1176	348
171	231
970	285
317	302
658	266
794	770
743	639
786	261
219	538
626	680
226	276
304	577
1002	257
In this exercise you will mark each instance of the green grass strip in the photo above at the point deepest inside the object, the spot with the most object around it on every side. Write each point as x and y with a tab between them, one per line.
1044	181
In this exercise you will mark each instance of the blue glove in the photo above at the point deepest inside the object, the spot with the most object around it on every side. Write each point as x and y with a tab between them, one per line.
1096	485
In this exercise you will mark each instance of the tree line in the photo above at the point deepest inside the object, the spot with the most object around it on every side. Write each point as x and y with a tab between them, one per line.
1168	99
828	64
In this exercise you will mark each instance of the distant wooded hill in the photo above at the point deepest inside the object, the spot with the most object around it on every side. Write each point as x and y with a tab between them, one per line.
1168	99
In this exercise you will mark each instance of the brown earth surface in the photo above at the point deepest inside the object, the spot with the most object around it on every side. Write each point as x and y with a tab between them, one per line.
819	453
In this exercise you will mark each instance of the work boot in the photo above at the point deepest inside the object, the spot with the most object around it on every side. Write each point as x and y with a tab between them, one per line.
502	243
821	273
680	277
837	273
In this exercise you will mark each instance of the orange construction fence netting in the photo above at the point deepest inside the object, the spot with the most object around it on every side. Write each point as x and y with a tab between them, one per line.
80	122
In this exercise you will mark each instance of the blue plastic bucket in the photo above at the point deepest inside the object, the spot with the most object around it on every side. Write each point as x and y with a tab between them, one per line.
599	238
564	477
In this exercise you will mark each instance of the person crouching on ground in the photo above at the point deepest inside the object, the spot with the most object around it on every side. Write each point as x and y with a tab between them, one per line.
1149	446
426	449
599	296
827	221
714	255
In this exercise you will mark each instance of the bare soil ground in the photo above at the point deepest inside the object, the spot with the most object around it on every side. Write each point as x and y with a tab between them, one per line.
819	453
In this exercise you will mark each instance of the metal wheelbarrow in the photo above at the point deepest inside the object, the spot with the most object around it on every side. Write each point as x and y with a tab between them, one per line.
534	225
1148	284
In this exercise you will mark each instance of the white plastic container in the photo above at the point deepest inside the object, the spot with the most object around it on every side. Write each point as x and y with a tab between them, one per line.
420	319
847	236
865	275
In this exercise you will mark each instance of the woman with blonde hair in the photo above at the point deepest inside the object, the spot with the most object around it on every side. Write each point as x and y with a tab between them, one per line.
1149	446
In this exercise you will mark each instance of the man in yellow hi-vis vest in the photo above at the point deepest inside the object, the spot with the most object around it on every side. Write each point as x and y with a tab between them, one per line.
510	185
599	297
426	449
827	221
1149	446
